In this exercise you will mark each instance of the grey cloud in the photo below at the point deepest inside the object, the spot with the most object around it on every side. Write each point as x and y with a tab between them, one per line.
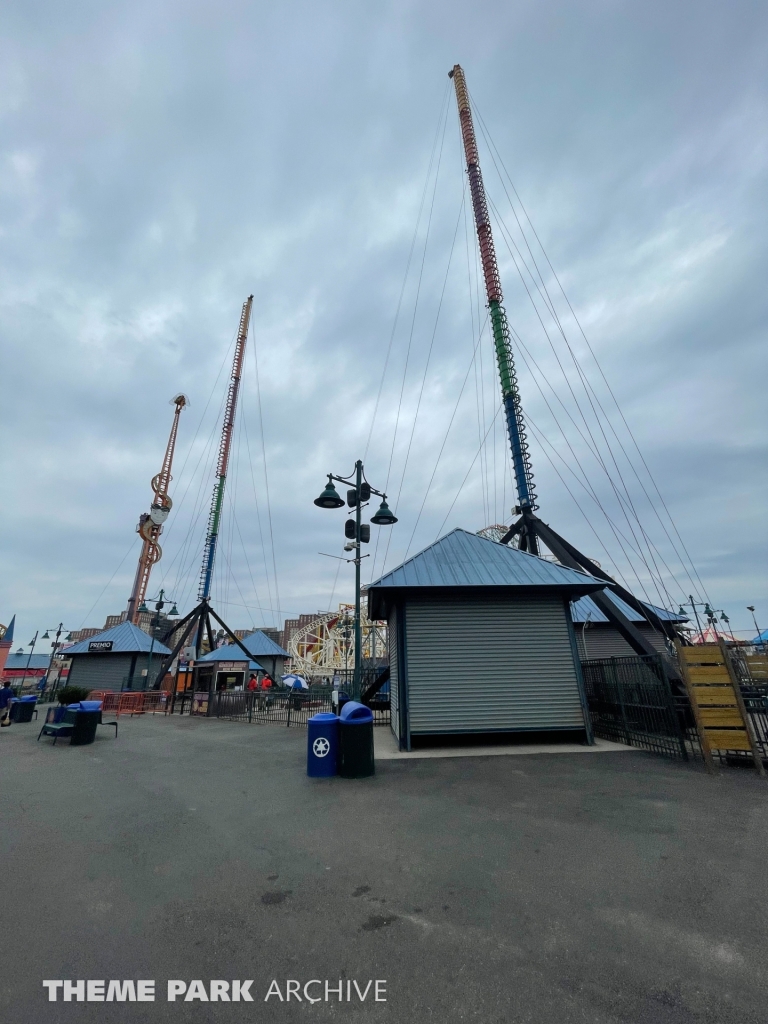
160	162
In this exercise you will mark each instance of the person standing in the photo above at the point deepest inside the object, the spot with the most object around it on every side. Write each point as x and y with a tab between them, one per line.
6	696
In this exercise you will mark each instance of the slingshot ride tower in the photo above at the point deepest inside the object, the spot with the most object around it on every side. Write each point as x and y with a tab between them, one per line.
529	531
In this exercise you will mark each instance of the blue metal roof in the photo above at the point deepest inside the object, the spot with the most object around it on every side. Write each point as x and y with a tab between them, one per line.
258	643
125	637
7	637
18	662
585	609
462	559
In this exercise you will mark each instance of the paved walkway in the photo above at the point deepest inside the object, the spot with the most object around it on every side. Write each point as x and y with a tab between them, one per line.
552	889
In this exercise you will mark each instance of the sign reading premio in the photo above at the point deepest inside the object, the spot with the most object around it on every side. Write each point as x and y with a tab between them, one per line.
100	645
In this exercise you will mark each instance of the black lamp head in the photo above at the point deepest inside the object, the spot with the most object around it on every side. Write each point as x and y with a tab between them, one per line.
384	516
330	497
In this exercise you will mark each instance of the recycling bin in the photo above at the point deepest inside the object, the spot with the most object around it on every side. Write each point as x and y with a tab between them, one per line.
322	745
355	741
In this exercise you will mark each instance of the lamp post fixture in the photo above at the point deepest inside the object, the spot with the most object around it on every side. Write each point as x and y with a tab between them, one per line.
154	623
758	634
32	643
54	648
356	532
712	616
694	605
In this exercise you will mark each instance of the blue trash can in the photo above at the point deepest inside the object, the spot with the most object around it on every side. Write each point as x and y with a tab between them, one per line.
344	698
322	745
356	741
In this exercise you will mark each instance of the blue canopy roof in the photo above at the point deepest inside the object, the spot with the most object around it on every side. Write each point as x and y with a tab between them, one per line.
585	610
125	638
19	662
256	643
462	559
260	645
761	639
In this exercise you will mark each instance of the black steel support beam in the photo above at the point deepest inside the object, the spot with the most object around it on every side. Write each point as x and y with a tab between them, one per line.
546	533
232	636
192	620
639	643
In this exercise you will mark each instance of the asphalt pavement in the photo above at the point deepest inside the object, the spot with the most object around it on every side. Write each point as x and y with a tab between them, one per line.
549	888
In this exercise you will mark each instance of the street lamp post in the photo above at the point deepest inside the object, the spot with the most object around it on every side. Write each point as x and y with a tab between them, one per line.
154	623
32	643
54	648
356	532
758	634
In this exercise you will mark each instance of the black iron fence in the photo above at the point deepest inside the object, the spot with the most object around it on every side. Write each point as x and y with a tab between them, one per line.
635	701
631	701
275	707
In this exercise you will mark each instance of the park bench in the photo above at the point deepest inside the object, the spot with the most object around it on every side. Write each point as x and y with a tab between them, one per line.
79	726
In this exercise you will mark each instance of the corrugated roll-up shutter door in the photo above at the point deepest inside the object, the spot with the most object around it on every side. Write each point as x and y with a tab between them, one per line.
101	671
394	689
603	641
491	666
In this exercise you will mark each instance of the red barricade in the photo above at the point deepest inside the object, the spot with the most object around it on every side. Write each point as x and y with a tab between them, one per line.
126	703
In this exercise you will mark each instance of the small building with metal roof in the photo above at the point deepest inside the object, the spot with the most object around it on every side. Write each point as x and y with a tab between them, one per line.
25	669
231	663
481	640
120	658
596	637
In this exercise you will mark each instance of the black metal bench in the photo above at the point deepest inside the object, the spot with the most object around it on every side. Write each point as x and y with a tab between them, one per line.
108	723
79	726
56	729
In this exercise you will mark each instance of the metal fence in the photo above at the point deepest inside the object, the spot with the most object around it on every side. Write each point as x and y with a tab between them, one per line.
632	701
264	706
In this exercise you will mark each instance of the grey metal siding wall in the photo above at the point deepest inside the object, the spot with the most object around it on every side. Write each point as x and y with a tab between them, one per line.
491	666
604	641
101	671
394	688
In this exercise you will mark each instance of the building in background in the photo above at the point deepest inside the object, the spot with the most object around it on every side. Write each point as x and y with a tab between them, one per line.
271	657
6	643
23	669
115	659
596	637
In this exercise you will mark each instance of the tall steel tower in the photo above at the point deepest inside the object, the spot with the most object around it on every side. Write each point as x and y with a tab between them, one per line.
225	446
513	410
529	529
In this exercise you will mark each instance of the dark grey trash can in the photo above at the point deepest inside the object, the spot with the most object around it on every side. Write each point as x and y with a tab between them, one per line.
356	741
23	709
84	730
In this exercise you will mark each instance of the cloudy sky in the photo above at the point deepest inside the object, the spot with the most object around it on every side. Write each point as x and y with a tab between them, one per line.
161	161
